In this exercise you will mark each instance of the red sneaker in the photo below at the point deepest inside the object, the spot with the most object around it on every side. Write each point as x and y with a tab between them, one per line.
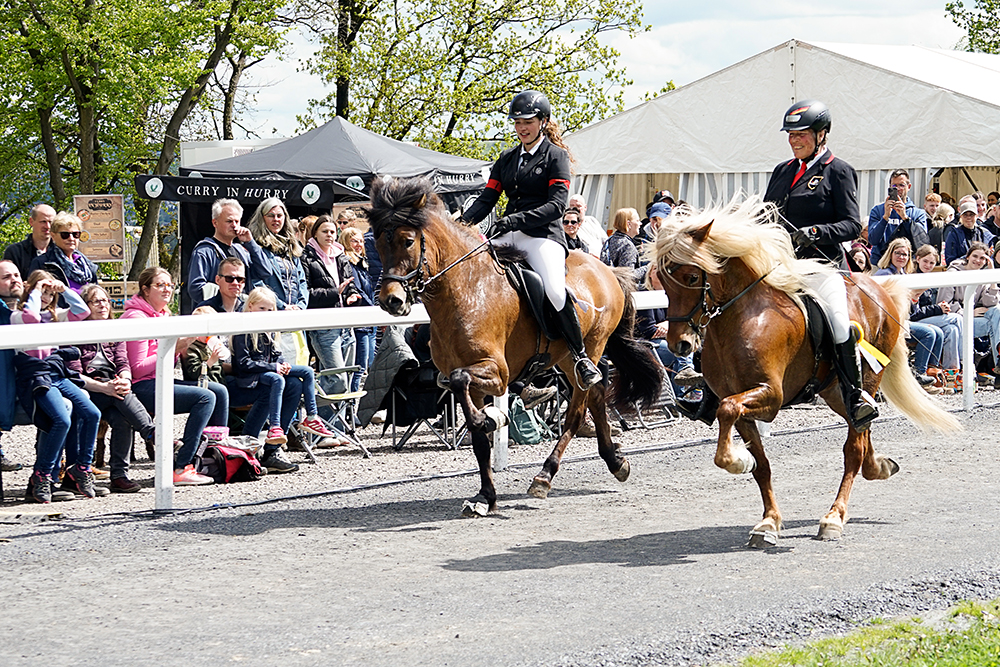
275	436
315	425
188	477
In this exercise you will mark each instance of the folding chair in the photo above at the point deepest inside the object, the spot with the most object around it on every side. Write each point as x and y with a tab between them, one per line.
341	410
414	399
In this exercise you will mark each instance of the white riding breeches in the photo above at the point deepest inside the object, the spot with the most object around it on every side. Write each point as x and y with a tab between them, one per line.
831	292
546	258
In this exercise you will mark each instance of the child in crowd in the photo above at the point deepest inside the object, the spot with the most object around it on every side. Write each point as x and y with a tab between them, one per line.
206	356
42	385
257	363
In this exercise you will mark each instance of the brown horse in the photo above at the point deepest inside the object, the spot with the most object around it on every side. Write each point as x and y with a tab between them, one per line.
482	335
734	286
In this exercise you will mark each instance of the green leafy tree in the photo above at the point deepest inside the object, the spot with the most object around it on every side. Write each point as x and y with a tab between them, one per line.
442	72
981	23
98	91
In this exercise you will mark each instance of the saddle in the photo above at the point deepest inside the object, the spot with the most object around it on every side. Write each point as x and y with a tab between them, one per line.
821	335
528	285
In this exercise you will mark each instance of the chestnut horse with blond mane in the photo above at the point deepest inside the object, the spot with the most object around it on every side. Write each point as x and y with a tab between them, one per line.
483	333
735	289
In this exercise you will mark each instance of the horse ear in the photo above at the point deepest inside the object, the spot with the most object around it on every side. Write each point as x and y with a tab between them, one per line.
420	203
701	233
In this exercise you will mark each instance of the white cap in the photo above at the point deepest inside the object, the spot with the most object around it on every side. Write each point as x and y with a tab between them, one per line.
968	205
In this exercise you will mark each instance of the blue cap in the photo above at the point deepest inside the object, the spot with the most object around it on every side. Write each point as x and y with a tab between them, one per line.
659	210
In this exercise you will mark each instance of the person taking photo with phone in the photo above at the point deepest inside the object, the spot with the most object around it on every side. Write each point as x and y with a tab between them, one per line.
897	218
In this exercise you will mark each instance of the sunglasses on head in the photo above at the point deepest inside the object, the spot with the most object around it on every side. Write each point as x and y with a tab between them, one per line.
65	235
233	279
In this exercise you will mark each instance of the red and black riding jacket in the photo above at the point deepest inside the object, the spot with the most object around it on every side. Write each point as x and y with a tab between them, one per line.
537	192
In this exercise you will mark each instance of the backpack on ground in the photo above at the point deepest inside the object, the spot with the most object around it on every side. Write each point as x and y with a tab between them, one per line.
227	464
526	427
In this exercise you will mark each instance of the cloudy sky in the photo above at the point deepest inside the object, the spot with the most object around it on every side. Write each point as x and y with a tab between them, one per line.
687	41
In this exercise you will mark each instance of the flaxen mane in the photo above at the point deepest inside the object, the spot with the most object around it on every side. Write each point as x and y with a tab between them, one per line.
750	230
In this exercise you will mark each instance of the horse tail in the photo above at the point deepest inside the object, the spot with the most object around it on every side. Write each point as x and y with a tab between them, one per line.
898	383
640	373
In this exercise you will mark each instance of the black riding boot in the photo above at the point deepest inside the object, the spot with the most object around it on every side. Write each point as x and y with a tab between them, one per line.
587	374
861	406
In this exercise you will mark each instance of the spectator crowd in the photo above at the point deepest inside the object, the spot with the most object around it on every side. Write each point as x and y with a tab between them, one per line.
264	384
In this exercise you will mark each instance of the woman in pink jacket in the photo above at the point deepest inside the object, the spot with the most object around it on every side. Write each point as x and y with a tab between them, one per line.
205	407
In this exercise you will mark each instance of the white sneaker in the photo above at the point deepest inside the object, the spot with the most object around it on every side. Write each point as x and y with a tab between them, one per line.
379	417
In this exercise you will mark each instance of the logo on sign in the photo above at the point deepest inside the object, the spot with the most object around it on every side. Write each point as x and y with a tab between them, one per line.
310	193
154	188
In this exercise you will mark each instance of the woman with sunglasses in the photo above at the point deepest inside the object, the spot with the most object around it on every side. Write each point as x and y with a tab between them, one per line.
62	258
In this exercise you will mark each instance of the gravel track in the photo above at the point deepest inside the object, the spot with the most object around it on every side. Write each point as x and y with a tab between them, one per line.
652	571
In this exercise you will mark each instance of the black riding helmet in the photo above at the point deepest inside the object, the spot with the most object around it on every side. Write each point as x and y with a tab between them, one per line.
807	115
529	104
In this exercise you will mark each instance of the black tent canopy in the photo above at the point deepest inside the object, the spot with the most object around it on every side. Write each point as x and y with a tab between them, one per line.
333	163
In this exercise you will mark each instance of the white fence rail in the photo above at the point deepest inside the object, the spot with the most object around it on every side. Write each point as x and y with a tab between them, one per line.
168	329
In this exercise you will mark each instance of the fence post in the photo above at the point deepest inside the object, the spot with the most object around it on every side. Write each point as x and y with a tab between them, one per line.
164	422
969	373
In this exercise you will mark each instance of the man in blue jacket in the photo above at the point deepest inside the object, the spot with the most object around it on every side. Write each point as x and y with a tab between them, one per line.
897	218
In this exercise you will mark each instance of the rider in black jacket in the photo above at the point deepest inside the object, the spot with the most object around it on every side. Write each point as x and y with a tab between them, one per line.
535	176
817	194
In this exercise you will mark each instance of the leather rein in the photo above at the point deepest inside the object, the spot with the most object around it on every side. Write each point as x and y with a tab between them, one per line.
415	283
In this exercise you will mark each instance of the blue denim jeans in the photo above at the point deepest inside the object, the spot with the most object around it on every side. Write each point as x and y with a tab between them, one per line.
204	407
365	354
951	325
671	361
276	398
930	340
334	349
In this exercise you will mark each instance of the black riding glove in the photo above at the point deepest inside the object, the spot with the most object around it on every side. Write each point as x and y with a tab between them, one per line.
805	237
500	228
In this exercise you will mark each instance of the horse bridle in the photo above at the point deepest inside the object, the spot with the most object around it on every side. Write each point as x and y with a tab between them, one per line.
414	283
709	313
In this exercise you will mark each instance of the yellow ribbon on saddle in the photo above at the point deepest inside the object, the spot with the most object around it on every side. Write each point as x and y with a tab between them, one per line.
874	356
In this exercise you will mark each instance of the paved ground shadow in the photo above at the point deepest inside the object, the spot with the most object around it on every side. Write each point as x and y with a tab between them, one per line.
653	549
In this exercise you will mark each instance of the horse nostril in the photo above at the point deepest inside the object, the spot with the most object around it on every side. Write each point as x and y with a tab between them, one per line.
682	348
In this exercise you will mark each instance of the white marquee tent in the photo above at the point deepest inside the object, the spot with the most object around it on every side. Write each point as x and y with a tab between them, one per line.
893	107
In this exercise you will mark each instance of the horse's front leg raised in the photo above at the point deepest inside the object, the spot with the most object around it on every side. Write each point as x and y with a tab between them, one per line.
760	403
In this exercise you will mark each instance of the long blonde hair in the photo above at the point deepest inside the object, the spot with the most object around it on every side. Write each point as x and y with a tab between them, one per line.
259	295
282	243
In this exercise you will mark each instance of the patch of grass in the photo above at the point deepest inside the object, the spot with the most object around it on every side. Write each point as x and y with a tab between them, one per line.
968	637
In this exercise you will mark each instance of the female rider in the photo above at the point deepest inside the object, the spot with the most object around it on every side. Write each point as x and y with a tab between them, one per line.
535	176
817	194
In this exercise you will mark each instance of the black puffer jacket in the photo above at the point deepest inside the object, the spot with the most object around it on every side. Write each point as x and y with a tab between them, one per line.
323	288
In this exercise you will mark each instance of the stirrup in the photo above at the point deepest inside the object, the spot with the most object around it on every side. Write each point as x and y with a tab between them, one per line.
535	396
864	412
586	372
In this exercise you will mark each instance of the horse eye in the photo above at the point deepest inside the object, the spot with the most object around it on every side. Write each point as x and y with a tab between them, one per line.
691	280
409	242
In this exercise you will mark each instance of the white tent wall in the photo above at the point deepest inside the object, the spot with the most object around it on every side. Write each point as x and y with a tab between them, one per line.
892	106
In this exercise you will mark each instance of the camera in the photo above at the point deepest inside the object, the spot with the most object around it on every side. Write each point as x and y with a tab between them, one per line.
894	193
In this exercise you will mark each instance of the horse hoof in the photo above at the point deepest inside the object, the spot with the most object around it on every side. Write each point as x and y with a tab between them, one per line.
744	463
889	466
539	488
829	532
762	539
475	508
623	471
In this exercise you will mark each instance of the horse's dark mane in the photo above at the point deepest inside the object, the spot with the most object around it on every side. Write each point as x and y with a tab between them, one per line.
402	202
508	253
